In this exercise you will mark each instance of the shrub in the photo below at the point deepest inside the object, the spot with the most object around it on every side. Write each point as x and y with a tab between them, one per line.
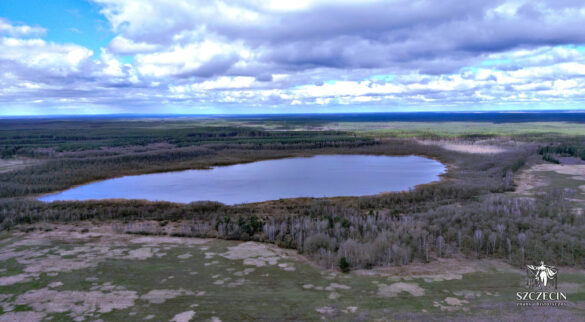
343	265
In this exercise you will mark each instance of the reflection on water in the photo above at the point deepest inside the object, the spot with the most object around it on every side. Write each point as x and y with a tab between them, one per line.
319	176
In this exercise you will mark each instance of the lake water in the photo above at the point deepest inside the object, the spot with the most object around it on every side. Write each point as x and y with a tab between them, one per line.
318	176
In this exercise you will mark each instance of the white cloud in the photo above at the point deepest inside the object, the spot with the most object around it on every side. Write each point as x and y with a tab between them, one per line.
38	54
121	45
206	58
19	30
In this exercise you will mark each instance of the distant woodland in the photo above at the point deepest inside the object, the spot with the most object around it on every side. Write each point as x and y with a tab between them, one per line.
470	213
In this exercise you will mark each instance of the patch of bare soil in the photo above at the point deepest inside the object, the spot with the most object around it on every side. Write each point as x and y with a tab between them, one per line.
466	147
78	303
7	165
441	269
258	254
160	296
22	316
184	316
531	178
394	289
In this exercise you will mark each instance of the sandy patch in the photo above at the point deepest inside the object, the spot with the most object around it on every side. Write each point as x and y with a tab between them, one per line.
22	316
327	310
77	302
474	148
351	309
333	296
441	269
7	165
238	282
257	254
184	256
468	294
396	288
53	263
451	304
533	178
140	253
183	317
160	296
244	272
334	286
55	284
20	278
157	240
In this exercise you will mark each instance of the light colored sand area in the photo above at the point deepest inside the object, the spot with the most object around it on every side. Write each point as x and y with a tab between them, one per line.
184	317
441	269
259	255
472	148
7	165
535	177
395	289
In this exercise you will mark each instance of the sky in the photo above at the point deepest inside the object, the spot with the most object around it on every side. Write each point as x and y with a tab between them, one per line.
69	57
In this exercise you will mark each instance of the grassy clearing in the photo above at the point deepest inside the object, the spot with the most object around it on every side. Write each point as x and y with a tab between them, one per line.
231	280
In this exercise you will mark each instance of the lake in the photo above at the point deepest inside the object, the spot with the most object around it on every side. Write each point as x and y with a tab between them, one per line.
318	176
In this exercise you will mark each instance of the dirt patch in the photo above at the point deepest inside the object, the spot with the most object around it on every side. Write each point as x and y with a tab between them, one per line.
160	296
22	316
20	278
397	288
533	177
441	269
7	165
157	240
257	254
472	148
184	256
451	304
183	317
77	302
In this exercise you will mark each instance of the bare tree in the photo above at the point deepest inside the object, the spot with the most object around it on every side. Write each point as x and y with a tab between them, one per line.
478	240
522	243
440	245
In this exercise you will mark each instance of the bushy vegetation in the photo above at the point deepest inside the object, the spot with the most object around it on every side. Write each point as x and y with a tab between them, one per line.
464	215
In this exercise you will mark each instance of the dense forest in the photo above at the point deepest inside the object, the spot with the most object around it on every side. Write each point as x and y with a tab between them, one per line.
467	214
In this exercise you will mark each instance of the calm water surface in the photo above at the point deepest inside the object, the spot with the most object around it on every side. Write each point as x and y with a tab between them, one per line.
318	176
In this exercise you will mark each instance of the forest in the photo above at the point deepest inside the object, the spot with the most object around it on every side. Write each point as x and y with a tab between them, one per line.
472	212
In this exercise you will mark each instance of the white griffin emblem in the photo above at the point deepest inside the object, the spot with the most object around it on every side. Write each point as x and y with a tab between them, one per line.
542	275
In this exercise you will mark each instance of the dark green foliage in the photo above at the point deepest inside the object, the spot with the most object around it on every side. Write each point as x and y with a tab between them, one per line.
343	265
550	158
345	223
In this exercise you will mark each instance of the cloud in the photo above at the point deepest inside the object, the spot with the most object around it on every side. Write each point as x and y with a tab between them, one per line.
303	54
121	45
6	28
35	55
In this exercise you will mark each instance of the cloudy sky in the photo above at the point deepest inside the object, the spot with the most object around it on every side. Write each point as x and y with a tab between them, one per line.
268	56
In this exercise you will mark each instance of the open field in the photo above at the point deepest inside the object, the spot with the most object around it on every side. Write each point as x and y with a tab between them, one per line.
65	272
451	250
